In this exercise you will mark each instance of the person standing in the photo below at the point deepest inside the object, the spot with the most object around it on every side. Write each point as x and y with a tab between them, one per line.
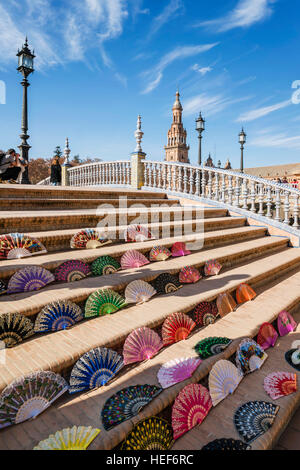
55	178
9	169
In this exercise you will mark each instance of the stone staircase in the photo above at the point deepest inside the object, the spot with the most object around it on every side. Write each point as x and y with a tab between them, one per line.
247	253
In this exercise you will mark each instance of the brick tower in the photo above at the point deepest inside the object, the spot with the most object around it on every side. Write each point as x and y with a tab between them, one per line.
177	150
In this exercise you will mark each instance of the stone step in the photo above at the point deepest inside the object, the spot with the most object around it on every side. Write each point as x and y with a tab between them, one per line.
109	216
51	261
60	239
59	351
85	409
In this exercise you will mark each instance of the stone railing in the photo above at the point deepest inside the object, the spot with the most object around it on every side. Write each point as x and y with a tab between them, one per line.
101	173
45	182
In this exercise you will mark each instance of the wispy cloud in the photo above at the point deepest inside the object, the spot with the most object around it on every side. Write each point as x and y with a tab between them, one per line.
245	14
155	75
210	104
170	11
280	140
260	112
202	70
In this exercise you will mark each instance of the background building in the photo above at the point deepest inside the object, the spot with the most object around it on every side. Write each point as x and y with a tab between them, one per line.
177	150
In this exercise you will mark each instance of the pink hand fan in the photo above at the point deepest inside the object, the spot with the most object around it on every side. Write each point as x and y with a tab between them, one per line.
177	371
286	324
133	259
280	384
189	275
212	268
142	344
177	327
267	336
179	249
190	408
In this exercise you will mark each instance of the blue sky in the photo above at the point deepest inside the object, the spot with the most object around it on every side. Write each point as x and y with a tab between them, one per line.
102	62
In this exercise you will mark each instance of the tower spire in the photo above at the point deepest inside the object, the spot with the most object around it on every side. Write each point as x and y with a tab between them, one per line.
177	150
138	134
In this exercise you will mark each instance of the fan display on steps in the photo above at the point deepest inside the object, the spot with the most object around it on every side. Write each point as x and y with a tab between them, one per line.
244	293
212	268
133	259
225	304
76	438
293	358
138	292
226	444
15	328
159	253
72	271
18	245
223	380
3	288
249	356
267	336
103	302
205	314
27	397
209	347
177	370
95	369
142	344
177	327
190	408
254	418
105	265
280	384
151	434
58	316
189	275
127	403
179	249
166	283
285	323
89	239
137	233
29	279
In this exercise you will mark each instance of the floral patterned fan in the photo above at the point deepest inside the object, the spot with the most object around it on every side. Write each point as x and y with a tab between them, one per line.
15	328
127	403
27	397
190	408
179	249
71	271
88	239
212	268
76	438
255	418
250	356
166	283
286	324
189	275
137	233
177	370
151	434
267	336
224	378
103	302
280	384
159	253
205	313
133	259
142	344
58	316
177	327
18	245
29	279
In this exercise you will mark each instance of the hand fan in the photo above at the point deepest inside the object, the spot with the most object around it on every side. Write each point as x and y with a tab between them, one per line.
29	279
138	292
76	438
15	328
103	302
267	336
95	369
190	408
225	304
250	356
177	327
293	358
58	316
211	346
244	293
105	265
137	233
212	268
133	259
224	378
3	288
286	324
159	253
166	283
205	314
179	249
189	275
151	434
280	384
27	397
226	444
254	418
177	370
88	239
142	344
71	271
18	245
127	403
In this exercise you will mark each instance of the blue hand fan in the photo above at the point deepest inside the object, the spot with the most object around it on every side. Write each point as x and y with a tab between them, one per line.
58	316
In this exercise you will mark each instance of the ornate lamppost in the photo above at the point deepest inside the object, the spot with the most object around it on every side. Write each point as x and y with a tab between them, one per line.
242	140
200	127
25	67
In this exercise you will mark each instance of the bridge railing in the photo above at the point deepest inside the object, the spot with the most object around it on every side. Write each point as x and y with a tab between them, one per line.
101	173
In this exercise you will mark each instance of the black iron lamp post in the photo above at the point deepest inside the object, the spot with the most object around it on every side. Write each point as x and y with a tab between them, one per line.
200	127
26	68
242	140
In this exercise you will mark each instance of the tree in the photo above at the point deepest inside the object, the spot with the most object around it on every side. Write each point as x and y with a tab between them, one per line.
58	151
39	169
77	159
